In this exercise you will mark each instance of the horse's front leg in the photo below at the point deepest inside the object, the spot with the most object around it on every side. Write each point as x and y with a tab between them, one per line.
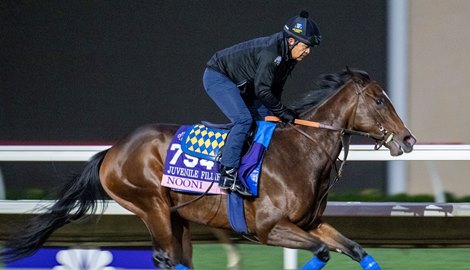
286	234
339	243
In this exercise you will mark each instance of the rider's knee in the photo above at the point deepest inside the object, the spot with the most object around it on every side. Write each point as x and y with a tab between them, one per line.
244	120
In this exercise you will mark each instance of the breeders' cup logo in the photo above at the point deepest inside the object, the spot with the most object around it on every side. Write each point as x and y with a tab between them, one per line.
181	135
298	28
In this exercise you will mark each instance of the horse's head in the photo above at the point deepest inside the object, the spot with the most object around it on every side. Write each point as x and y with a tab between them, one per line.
374	113
350	100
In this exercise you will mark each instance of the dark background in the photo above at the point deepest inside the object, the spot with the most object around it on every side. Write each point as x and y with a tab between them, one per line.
91	71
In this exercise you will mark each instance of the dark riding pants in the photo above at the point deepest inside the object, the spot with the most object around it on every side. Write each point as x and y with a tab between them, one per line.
226	95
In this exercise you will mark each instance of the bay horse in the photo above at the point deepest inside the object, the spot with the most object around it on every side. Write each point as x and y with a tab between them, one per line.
293	186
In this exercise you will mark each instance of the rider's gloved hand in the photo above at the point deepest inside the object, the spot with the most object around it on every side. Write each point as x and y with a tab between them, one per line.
288	116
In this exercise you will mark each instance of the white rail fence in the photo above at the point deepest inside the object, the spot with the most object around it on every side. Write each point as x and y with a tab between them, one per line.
429	153
357	152
29	153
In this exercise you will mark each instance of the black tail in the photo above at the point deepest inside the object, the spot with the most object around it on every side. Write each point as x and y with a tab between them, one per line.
78	198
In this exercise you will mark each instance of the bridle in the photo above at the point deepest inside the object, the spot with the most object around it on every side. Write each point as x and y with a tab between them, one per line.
361	92
380	140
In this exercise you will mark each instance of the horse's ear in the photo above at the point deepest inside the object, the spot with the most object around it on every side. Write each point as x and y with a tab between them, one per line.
350	73
353	76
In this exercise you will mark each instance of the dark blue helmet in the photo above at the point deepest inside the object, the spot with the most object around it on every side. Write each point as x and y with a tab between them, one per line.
303	29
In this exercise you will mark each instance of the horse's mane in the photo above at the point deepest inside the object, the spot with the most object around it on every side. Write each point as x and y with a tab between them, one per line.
324	86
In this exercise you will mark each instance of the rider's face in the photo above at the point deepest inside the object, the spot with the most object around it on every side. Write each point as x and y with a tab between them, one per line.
299	51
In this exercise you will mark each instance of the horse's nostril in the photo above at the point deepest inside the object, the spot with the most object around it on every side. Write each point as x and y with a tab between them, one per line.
410	140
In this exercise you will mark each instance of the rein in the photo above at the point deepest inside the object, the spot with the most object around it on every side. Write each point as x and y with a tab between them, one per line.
344	133
380	139
325	126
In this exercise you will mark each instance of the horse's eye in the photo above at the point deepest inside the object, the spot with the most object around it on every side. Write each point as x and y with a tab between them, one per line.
379	101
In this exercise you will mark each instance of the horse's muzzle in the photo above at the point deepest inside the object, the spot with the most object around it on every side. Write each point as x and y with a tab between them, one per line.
400	144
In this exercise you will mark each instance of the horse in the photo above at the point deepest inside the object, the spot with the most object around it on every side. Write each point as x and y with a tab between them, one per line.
294	180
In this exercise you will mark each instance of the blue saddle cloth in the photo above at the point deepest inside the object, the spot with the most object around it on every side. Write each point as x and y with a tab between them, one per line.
191	164
191	158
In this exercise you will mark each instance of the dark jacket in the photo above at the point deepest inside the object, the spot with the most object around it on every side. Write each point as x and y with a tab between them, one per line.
259	67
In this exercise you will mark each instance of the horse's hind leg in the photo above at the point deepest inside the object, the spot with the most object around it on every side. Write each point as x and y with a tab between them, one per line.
170	239
341	244
182	238
155	213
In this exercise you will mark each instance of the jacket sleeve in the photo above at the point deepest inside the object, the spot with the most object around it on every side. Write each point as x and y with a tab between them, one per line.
263	83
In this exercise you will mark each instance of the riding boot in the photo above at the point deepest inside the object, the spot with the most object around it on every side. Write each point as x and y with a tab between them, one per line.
227	178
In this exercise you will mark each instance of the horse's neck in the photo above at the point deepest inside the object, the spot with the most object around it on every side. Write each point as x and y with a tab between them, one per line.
337	111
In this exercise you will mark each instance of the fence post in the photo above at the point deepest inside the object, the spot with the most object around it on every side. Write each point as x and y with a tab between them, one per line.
290	258
2	187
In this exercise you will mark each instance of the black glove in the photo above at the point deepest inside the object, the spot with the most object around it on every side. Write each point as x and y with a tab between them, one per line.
288	116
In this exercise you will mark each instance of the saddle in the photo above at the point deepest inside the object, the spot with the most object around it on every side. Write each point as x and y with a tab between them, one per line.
206	140
192	165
